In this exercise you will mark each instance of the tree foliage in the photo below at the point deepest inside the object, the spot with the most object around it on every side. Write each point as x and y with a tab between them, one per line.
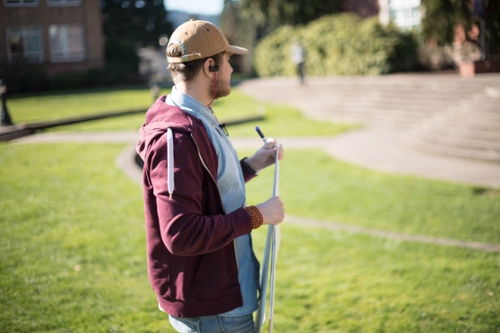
441	16
129	24
292	12
340	44
239	29
492	18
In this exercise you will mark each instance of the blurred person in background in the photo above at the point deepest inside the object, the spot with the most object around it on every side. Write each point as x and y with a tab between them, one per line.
299	59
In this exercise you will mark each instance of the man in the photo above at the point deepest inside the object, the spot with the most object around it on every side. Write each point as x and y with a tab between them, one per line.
299	59
200	258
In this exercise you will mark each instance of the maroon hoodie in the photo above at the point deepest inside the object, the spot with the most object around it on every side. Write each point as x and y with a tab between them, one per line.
192	263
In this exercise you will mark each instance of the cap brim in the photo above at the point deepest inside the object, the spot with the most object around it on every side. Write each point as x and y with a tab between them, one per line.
237	50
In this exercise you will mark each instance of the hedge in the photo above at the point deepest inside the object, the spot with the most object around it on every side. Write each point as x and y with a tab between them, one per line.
21	76
339	44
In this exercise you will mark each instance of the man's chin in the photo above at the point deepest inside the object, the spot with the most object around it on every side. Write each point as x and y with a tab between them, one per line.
223	93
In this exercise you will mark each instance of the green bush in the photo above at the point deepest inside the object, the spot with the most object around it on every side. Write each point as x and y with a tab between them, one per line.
340	44
23	76
70	80
111	75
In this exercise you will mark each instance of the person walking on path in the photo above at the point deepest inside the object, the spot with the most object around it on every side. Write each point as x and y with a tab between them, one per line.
201	262
299	59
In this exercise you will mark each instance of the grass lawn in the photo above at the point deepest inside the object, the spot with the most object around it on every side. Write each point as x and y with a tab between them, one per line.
340	192
67	104
72	255
279	120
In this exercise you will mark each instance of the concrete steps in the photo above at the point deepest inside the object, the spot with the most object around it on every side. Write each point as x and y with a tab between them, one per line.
370	117
443	114
470	130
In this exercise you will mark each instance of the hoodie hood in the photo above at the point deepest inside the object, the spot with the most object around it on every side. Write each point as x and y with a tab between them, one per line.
162	119
159	118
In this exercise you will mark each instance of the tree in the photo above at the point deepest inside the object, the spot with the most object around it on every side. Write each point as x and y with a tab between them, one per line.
240	29
492	18
441	16
130	24
275	13
348	45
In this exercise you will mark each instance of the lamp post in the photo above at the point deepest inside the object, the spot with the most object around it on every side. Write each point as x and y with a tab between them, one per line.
6	121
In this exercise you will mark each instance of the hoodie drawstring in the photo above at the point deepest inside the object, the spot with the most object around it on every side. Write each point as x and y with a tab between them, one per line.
170	162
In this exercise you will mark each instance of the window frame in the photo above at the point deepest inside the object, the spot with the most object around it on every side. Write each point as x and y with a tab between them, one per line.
21	3
399	8
39	55
71	57
61	3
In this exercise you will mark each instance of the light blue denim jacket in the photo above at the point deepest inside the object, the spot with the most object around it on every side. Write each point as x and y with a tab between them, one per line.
232	188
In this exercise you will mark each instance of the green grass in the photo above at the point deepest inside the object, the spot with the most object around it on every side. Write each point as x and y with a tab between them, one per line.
72	247
60	105
72	255
334	191
279	120
337	282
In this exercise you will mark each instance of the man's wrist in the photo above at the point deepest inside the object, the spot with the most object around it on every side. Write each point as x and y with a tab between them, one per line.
249	168
256	216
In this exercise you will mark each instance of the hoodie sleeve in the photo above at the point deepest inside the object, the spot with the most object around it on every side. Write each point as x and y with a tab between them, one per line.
187	221
247	176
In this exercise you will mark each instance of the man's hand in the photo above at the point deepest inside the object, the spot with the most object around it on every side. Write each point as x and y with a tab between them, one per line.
265	156
272	210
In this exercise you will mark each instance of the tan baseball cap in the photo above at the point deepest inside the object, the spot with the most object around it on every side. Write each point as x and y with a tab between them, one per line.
200	39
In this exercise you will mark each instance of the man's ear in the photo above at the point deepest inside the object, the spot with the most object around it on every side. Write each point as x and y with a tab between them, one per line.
208	67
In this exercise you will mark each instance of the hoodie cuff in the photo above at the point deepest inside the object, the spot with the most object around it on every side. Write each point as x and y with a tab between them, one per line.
249	168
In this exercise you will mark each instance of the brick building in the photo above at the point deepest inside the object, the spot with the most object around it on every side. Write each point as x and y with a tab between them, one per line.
64	35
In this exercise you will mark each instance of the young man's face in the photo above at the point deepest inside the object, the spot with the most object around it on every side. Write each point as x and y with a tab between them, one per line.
223	86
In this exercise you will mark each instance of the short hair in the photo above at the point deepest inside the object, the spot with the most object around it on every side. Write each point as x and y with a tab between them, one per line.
186	71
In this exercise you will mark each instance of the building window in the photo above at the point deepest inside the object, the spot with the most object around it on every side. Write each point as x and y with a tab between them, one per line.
63	2
66	43
20	3
405	13
25	42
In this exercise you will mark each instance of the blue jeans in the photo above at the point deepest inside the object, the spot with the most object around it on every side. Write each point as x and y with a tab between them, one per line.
214	324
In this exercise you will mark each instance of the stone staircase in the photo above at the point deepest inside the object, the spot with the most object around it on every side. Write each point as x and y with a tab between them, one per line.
443	114
470	129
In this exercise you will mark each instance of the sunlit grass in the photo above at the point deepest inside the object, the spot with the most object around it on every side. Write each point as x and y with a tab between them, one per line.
279	120
72	251
61	105
338	282
72	255
316	186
